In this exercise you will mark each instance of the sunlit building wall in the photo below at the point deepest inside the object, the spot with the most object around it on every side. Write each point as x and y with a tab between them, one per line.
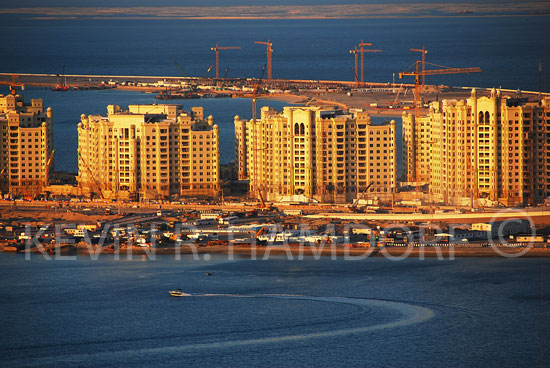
151	151
495	148
326	155
26	145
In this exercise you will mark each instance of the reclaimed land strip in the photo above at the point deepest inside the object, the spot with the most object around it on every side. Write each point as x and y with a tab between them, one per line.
341	11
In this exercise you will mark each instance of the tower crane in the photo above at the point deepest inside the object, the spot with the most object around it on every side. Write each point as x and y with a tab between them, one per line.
424	52
255	94
417	97
217	50
362	50
417	73
256	149
269	46
13	84
355	52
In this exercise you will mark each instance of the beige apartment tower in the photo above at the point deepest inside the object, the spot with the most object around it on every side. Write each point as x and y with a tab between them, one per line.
324	155
148	151
26	146
494	148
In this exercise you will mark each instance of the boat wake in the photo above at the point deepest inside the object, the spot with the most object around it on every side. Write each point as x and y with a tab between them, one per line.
409	314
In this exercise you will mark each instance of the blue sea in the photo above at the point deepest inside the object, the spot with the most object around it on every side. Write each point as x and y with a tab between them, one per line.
68	106
276	312
508	49
314	313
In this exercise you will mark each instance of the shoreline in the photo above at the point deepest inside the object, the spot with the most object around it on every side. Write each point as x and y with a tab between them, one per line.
295	252
283	12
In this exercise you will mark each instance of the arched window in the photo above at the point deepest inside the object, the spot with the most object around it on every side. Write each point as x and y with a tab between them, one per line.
296	129
486	117
302	129
481	117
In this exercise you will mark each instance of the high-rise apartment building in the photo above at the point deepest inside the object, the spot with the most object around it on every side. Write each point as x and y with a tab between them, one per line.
26	145
495	148
326	155
154	151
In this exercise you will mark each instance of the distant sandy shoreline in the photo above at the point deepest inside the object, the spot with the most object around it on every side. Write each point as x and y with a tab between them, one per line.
285	18
278	12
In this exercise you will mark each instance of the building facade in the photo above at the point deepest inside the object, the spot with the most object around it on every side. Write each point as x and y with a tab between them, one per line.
26	145
148	151
326	155
495	148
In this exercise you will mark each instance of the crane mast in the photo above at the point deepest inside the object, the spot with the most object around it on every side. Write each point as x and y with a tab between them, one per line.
417	93
217	49
355	53
424	52
362	50
269	46
417	73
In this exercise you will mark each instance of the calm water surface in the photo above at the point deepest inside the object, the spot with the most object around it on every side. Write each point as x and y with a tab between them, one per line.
375	312
508	49
68	106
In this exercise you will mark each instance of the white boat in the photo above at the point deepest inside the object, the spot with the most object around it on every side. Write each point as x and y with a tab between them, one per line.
178	293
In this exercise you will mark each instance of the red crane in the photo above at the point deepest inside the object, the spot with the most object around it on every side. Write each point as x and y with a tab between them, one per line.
424	52
217	50
417	98
417	73
269	46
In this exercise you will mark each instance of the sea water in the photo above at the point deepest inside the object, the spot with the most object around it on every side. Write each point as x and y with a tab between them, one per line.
277	312
508	49
68	106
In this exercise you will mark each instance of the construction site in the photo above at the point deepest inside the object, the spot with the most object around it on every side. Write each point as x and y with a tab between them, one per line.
384	99
378	99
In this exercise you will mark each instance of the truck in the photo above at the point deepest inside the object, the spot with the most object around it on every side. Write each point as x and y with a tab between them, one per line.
204	222
230	220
